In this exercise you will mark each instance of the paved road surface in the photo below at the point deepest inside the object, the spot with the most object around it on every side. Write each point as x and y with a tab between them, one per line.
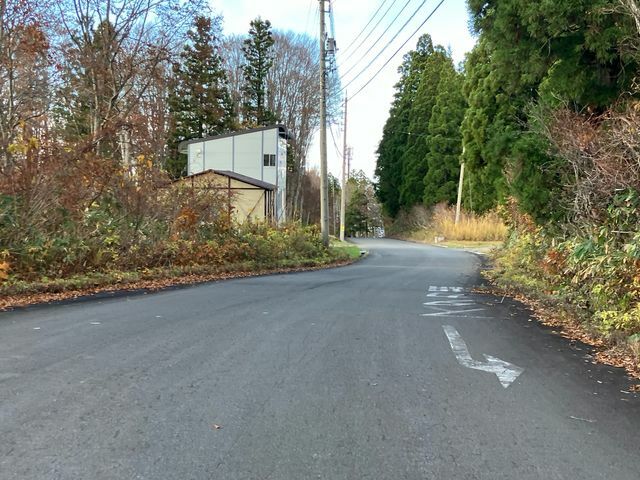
337	374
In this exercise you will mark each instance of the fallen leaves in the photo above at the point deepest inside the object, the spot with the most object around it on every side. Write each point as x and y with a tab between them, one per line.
567	324
4	271
22	300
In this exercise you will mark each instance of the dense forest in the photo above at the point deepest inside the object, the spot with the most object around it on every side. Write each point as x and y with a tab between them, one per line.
544	114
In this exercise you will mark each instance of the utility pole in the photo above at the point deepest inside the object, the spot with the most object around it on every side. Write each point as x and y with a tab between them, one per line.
459	202
324	194
343	194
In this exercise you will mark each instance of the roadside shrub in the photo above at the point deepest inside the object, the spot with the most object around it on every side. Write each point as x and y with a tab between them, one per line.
65	214
596	269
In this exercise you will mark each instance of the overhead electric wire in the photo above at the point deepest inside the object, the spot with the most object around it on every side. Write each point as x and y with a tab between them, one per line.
365	27
398	50
371	31
378	39
335	144
388	43
306	25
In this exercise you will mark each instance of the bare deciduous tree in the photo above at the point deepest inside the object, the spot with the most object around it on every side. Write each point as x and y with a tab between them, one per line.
602	154
24	50
115	47
295	98
234	60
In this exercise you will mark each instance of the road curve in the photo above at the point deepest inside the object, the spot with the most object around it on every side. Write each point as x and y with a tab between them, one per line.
347	373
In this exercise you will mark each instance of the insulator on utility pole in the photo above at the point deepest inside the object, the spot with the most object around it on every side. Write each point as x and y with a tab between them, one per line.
324	194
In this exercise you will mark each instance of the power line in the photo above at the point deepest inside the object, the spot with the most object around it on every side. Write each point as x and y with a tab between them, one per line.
365	27
306	26
378	39
396	52
335	144
371	31
388	43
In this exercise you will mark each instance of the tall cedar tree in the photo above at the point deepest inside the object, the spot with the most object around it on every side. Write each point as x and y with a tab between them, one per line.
259	60
395	134
571	52
200	102
414	159
445	139
489	128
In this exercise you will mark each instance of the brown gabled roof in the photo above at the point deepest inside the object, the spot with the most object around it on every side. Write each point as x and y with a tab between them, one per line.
236	176
282	131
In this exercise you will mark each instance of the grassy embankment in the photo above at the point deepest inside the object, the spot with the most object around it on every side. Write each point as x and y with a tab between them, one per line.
249	250
587	288
345	249
62	238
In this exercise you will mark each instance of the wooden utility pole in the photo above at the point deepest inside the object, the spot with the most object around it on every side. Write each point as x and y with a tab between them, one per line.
324	194
459	202
343	194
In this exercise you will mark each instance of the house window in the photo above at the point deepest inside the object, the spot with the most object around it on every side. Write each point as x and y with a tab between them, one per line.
269	160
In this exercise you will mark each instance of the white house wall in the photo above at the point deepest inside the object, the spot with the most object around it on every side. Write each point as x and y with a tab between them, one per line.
269	147
196	158
248	157
218	154
244	154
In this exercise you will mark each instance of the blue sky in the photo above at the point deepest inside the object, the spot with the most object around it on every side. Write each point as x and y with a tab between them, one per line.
369	109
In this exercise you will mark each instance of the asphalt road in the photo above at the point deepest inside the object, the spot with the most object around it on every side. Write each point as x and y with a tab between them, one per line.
335	374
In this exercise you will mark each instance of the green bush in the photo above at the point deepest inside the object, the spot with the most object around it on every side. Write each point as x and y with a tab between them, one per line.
597	270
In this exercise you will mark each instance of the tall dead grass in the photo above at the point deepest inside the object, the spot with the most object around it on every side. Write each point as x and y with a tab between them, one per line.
471	227
437	224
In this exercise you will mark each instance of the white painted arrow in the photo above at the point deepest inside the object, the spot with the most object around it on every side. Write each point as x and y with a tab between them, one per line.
452	313
449	303
440	295
505	371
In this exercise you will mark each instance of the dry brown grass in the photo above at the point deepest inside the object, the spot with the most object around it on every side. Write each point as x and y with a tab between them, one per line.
437	225
482	228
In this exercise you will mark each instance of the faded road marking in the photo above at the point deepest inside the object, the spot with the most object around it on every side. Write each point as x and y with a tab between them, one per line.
505	371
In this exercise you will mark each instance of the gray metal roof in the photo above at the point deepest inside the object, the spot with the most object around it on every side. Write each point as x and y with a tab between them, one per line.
282	132
236	176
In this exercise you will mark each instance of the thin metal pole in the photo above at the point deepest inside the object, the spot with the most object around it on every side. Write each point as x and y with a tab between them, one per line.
343	194
324	197
460	183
